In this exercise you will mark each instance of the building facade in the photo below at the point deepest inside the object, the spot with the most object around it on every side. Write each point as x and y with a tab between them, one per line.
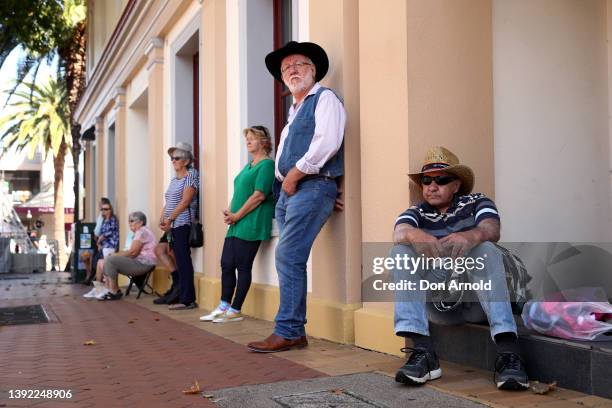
518	89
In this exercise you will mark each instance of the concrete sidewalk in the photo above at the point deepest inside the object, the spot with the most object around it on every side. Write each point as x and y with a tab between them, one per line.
145	355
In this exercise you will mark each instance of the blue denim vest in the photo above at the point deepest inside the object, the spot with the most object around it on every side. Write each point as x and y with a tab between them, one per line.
300	135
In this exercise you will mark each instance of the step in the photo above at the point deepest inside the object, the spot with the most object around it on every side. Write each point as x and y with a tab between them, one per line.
577	365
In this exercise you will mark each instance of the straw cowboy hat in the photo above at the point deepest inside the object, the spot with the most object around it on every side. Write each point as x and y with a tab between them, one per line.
317	55
439	158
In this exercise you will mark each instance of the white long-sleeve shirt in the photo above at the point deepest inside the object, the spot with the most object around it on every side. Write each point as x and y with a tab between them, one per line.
330	119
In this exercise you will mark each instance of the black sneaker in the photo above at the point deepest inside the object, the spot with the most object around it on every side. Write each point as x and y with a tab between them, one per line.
422	366
510	372
171	296
112	296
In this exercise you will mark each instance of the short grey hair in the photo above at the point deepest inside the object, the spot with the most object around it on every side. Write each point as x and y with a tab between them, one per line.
138	215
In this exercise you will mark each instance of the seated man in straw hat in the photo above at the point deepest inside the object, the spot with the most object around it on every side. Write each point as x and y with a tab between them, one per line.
452	225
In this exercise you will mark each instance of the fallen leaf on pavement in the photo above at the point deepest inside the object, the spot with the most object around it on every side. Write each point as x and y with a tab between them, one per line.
337	391
172	338
543	388
194	389
157	319
131	322
89	343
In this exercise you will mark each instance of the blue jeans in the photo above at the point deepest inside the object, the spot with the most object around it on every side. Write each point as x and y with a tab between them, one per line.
410	315
300	218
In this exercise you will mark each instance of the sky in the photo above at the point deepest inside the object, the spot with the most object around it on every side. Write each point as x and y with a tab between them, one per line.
8	73
9	70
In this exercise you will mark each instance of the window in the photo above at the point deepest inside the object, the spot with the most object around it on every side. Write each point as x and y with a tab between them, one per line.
282	34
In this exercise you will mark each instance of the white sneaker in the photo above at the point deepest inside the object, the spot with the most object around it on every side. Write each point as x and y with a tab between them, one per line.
212	315
91	294
101	293
229	316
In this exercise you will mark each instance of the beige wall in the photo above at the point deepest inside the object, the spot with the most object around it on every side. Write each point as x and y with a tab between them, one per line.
214	130
551	120
336	256
425	79
450	90
103	16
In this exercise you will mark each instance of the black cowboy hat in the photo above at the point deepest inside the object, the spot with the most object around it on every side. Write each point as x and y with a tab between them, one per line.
311	50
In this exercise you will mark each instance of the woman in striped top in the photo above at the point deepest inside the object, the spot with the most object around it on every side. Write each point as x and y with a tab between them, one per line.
178	214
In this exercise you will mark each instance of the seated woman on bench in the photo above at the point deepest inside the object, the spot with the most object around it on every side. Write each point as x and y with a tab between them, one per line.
136	261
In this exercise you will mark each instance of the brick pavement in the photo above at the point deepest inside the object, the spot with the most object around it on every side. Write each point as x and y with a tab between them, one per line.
148	362
141	357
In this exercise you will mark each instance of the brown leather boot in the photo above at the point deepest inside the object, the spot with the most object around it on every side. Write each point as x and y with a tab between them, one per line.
274	344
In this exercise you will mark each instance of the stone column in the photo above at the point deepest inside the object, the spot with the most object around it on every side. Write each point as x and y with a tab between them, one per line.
121	174
155	67
214	142
336	255
100	170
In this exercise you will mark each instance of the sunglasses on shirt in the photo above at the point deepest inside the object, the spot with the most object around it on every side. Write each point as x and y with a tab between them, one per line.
440	180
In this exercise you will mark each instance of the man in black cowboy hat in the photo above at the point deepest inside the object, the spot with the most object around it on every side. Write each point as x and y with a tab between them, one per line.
309	159
451	225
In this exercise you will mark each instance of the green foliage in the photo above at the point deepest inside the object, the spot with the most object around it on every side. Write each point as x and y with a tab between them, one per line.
40	121
40	27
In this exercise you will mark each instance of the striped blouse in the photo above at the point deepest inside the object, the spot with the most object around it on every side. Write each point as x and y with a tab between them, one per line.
464	214
174	195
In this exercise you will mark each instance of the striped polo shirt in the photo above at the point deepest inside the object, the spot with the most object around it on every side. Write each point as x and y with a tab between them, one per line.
174	195
465	213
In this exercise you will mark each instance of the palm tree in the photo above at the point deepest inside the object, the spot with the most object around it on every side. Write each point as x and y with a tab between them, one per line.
45	29
38	118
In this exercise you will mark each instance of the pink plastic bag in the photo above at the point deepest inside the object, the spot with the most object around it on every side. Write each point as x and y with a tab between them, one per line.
577	314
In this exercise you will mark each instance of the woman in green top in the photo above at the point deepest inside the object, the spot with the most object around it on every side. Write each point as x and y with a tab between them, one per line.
250	222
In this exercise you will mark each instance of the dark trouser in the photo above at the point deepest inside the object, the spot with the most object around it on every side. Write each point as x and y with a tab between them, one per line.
238	254
182	253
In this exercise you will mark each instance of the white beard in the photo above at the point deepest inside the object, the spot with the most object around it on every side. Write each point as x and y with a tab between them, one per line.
301	85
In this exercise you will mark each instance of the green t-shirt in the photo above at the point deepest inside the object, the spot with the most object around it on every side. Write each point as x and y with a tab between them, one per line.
256	225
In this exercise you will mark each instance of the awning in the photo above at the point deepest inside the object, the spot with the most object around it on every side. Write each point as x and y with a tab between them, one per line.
89	134
42	203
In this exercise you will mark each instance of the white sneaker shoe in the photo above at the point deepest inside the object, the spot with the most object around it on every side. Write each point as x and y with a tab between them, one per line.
101	293
229	316
212	315
91	294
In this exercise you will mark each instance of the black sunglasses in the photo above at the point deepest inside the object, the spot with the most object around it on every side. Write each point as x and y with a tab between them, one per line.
105	209
175	158
440	180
